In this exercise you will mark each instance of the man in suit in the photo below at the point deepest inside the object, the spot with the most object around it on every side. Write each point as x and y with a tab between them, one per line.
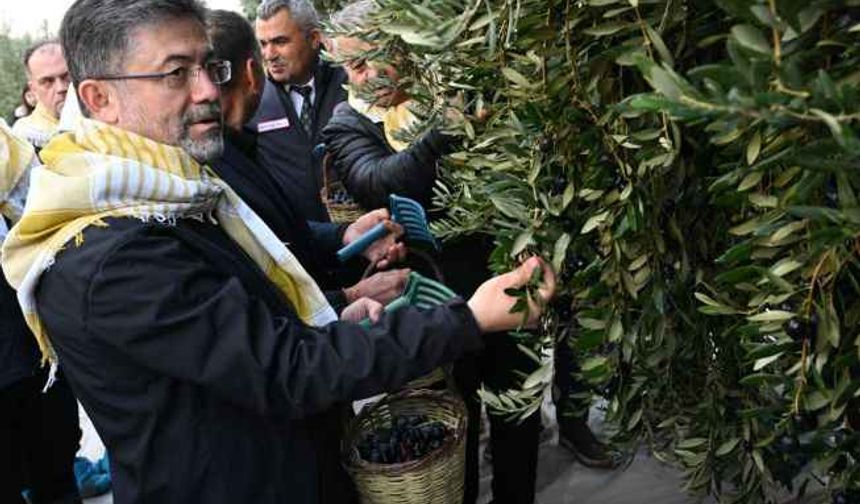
300	94
313	243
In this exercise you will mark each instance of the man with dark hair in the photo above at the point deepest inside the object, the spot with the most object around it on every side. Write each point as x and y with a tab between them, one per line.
299	97
48	79
200	347
313	243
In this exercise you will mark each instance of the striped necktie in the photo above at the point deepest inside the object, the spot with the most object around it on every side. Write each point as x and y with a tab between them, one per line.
305	117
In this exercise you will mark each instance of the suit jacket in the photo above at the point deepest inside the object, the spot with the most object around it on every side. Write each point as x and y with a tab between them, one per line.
313	243
283	147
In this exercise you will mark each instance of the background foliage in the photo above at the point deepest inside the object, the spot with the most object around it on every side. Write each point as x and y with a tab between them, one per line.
691	168
12	77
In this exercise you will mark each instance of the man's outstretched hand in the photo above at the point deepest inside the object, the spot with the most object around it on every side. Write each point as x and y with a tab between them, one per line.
491	306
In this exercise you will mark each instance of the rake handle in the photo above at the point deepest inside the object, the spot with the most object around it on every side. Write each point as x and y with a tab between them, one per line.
360	245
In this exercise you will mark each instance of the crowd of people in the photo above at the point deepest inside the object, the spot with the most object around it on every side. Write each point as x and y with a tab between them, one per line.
171	264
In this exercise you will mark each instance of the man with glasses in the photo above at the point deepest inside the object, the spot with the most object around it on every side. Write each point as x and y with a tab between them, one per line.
48	79
204	353
299	97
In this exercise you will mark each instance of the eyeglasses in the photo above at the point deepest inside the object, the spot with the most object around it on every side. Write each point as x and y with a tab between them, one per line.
219	72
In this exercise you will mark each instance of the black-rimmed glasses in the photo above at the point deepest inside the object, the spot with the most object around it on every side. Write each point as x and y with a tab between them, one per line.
219	72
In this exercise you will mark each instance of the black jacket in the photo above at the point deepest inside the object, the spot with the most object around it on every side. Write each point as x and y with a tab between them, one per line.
371	170
313	243
200	380
287	152
19	354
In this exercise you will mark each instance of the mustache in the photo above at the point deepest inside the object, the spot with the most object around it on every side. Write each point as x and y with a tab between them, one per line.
203	112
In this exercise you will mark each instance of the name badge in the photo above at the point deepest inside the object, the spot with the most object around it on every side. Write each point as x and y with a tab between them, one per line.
273	125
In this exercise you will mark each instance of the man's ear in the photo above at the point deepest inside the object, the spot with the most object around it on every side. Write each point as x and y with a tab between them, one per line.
254	76
100	100
316	38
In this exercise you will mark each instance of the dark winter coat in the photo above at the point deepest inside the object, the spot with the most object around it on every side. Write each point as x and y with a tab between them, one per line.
198	376
19	354
371	170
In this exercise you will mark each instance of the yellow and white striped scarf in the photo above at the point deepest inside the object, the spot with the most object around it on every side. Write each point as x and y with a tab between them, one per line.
101	171
37	128
16	156
394	119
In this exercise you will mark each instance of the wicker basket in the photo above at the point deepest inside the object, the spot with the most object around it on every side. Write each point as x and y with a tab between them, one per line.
436	478
341	208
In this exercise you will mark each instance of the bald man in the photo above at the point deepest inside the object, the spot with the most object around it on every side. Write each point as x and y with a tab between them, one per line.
48	79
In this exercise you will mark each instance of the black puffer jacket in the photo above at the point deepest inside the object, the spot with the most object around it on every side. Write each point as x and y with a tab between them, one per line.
371	170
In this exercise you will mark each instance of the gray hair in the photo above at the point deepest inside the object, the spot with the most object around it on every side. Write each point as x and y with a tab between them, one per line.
96	34
353	17
301	11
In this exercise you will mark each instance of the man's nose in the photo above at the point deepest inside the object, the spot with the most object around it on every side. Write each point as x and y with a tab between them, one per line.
203	90
268	52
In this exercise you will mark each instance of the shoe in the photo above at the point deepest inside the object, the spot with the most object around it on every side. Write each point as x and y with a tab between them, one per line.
90	481
575	435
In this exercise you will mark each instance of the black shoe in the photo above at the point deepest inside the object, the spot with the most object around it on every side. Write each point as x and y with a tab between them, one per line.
575	435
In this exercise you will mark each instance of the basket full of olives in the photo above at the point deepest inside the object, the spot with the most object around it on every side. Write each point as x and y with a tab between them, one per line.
409	448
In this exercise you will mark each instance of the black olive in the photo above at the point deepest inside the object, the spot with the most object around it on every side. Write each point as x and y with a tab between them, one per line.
795	329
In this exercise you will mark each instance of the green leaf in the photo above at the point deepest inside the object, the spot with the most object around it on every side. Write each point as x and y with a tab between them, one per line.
787	230
616	330
560	251
524	239
692	443
763	362
828	324
739	252
517	78
660	45
763	200
594	221
771	316
665	82
751	180
606	29
541	376
707	299
751	38
832	123
759	461
727	447
634	419
591	323
785	267
754	148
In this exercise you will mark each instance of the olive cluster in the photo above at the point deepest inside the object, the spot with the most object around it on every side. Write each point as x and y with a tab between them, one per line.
410	437
341	197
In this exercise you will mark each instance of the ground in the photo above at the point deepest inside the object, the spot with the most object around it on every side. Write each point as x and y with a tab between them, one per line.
561	480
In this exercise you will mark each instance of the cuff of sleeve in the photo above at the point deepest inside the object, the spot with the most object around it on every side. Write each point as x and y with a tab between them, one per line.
471	337
337	300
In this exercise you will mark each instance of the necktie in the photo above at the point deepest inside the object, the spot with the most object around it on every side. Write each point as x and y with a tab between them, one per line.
305	118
